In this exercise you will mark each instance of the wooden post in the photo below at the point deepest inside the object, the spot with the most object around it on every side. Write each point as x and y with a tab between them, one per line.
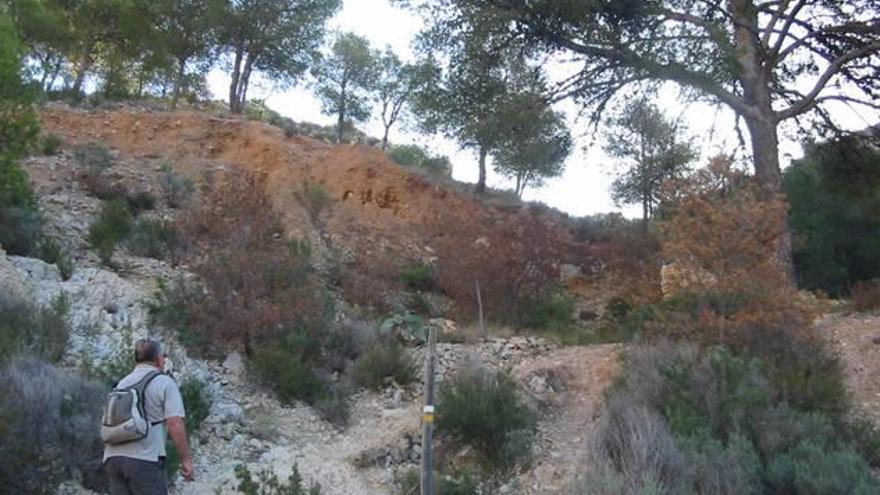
480	309
428	419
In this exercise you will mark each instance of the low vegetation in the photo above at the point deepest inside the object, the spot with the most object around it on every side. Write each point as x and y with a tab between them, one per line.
384	360
28	329
268	483
113	224
485	410
48	418
417	158
176	189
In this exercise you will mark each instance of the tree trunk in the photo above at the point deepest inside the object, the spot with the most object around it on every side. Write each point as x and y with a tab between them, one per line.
385	137
340	122
83	64
178	82
765	150
481	181
233	84
244	81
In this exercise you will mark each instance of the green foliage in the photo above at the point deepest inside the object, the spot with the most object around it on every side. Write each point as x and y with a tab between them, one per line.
19	128
278	38
419	158
41	332
20	224
344	78
284	364
175	188
554	312
385	359
140	202
812	469
50	252
197	405
95	158
268	484
153	238
730	423
50	144
654	149
418	276
48	417
113	224
537	144
485	410
833	193
172	306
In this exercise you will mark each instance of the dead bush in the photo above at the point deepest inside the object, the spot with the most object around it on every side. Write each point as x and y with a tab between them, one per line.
865	296
516	265
258	283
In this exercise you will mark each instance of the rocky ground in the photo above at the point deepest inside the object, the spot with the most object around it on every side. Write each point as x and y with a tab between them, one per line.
855	338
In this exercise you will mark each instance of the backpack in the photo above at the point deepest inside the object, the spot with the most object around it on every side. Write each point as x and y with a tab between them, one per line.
125	415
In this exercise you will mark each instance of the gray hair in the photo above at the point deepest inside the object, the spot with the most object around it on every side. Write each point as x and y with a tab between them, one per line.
146	350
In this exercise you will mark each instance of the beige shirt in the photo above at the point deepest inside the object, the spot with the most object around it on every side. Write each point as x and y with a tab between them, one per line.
162	400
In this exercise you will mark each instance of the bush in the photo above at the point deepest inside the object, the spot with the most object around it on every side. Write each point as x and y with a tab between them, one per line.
284	365
554	312
95	158
197	405
685	420
414	156
833	193
175	306
385	359
175	188
51	252
153	238
268	484
48	428
42	332
113	224
485	410
140	202
20	225
50	144
865	296
418	277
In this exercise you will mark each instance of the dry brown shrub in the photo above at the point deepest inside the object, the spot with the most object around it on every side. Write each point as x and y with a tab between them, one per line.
516	265
865	296
258	282
630	268
725	227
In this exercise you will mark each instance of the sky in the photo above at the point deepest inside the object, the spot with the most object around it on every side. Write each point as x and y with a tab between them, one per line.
584	187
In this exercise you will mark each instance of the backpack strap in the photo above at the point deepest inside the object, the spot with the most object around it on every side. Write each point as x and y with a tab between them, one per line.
140	387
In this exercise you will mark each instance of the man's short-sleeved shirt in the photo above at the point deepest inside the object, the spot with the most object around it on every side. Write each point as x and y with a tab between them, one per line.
162	400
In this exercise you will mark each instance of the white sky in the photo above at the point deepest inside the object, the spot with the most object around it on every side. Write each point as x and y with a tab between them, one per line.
583	189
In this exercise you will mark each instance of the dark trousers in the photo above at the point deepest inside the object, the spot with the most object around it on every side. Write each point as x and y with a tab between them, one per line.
130	476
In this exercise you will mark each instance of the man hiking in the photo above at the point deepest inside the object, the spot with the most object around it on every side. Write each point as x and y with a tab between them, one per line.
142	406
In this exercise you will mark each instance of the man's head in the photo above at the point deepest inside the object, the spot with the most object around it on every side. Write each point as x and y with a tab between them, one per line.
148	351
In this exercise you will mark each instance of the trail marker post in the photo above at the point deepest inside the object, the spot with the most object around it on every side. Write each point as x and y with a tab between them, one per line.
427	466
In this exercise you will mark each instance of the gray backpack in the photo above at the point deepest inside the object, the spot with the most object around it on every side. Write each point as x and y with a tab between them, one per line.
125	413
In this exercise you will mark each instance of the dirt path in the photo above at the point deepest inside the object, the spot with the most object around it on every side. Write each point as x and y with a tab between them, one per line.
853	338
581	374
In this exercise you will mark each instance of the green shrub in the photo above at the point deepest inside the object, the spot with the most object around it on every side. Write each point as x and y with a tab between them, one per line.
50	428
554	312
197	405
171	307
153	238
175	188
95	158
617	309
463	483
811	469
50	144
284	365
20	224
140	202
42	332
385	359
51	252
113	224
414	156
485	410
418	276
268	484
